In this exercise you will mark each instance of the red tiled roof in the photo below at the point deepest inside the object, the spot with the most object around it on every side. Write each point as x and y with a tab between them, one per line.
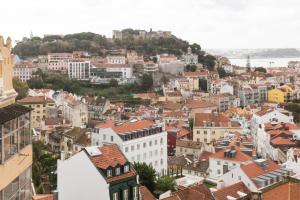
220	120
232	190
239	156
35	99
106	124
199	192
253	170
192	104
282	141
110	156
146	194
286	191
131	126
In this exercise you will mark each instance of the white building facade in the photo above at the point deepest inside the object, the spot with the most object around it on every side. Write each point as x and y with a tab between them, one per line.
145	142
79	70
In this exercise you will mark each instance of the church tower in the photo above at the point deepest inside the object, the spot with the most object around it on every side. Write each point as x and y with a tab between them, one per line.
7	92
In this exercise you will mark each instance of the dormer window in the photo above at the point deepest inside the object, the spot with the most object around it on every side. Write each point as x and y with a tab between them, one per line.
126	168
109	173
118	171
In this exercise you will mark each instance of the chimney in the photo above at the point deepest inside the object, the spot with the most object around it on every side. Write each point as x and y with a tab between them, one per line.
220	184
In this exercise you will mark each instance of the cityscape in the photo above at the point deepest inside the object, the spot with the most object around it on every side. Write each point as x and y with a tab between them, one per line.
147	114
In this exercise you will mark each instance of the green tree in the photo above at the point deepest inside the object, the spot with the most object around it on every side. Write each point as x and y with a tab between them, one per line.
260	69
208	61
36	83
221	71
113	83
20	87
190	68
146	82
165	183
146	174
295	109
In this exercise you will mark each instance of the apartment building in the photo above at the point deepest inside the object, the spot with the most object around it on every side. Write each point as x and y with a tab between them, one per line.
225	160
97	173
212	126
139	140
116	59
253	94
79	70
24	70
42	107
283	94
15	137
59	57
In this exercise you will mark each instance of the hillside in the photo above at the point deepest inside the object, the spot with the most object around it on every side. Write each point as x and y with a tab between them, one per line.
97	44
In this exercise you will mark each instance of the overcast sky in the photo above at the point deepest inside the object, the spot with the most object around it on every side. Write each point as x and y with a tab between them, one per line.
211	23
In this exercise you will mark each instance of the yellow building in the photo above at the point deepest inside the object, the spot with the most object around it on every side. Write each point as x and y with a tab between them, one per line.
15	137
42	107
212	126
282	94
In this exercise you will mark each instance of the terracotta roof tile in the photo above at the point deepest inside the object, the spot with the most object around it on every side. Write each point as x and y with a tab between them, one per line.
131	126
239	156
288	191
232	190
146	194
35	99
110	156
253	170
219	120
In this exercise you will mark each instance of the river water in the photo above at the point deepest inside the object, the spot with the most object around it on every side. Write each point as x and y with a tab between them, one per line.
263	62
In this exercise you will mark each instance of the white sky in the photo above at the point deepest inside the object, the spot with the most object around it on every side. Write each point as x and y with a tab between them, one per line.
211	23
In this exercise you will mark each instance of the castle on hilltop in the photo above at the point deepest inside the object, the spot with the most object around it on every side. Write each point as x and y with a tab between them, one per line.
141	34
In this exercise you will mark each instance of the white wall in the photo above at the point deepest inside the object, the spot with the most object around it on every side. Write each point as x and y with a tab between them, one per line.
78	179
214	167
236	175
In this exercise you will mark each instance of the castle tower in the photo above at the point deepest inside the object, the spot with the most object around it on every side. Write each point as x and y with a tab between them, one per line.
7	92
248	65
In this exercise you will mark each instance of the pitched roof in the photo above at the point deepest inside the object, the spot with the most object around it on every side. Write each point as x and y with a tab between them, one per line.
239	156
189	144
110	156
146	194
289	190
199	192
133	125
282	141
193	104
232	191
253	169
35	99
220	120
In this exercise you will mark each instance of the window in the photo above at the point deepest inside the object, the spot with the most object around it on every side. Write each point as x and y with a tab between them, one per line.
126	168
198	132
104	137
218	162
144	144
138	146
156	152
125	194
132	148
161	161
126	149
109	173
150	143
219	171
205	132
118	171
240	178
111	138
115	196
161	140
155	142
150	154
